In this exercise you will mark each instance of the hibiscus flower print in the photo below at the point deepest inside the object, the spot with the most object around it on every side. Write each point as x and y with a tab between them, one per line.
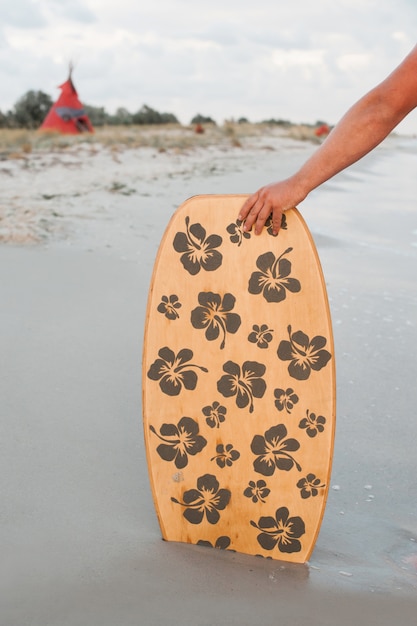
273	451
309	486
226	455
236	232
222	543
273	278
304	355
313	424
198	251
261	335
168	306
179	441
215	414
282	531
207	500
214	314
257	491
173	371
285	399
245	383
270	227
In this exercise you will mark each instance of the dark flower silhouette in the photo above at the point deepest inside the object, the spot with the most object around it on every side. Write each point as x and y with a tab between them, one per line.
273	450
285	399
180	441
270	227
304	355
169	305
236	232
273	278
246	383
206	500
214	315
225	455
309	486
282	531
174	371
313	424
257	491
199	251
222	543
261	335
215	414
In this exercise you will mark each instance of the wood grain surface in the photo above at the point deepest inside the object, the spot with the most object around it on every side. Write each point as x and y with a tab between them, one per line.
238	383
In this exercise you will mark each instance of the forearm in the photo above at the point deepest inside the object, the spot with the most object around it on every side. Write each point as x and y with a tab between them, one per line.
360	130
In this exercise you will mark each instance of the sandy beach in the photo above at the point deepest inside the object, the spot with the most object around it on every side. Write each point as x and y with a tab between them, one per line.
80	543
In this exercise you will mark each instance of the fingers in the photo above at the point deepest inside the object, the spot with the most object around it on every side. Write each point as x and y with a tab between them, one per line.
276	221
256	211
247	206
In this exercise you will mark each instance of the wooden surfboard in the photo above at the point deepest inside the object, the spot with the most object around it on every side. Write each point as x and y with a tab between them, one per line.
238	383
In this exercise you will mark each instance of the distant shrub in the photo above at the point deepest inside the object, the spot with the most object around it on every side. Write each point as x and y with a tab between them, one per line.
122	117
31	109
97	115
277	122
202	119
6	120
147	115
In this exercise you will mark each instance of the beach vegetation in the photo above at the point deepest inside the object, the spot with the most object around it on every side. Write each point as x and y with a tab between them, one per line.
202	119
30	110
17	143
147	115
277	122
97	115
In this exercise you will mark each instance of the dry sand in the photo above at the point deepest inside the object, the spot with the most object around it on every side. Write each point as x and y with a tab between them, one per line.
80	542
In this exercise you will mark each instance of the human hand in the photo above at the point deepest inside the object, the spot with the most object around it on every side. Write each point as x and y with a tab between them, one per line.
272	199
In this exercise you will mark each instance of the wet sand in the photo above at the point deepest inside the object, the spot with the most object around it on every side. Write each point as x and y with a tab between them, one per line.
80	541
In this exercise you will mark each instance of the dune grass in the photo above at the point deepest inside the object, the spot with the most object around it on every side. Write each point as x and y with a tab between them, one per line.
16	143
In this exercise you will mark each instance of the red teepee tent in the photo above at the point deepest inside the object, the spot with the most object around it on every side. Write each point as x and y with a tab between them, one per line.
67	114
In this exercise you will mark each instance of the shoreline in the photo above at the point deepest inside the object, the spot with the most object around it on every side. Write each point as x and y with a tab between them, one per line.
46	189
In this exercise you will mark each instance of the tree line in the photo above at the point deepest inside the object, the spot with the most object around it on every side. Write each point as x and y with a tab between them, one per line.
31	109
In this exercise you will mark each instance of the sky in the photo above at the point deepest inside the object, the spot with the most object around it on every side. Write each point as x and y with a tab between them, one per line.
299	60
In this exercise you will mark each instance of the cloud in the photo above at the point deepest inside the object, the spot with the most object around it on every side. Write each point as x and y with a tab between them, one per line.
297	60
69	9
21	14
